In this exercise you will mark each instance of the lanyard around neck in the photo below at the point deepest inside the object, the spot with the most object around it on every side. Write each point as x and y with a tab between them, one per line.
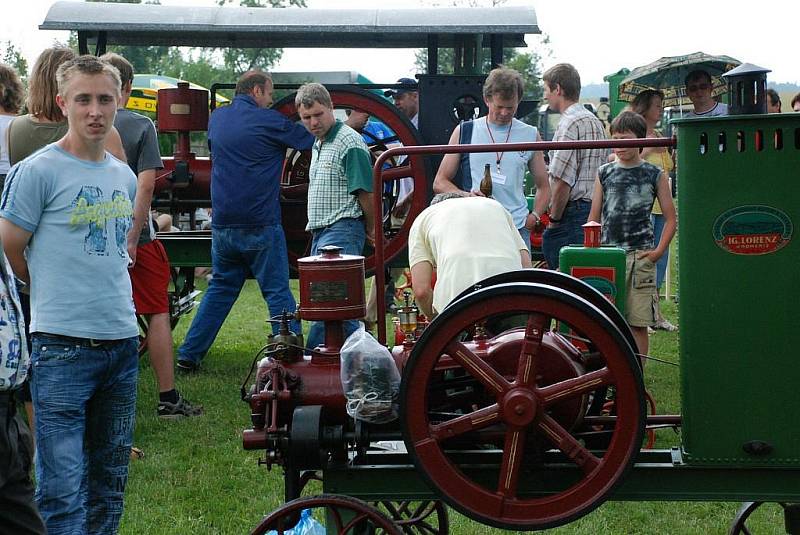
499	155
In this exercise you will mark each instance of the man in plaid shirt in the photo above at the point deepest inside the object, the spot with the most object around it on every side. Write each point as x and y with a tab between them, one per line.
340	185
572	172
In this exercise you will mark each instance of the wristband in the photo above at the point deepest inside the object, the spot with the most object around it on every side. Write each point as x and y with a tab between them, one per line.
537	216
554	220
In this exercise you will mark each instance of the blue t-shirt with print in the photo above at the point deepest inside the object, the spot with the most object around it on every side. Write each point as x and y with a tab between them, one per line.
79	213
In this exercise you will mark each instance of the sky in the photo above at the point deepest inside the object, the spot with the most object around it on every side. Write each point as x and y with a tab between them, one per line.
597	40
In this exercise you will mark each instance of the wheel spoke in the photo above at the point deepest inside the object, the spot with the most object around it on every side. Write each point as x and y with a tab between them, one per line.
478	368
573	449
512	459
574	387
337	519
466	423
355	521
537	325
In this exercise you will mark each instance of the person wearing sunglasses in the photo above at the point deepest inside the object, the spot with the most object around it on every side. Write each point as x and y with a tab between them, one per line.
698	89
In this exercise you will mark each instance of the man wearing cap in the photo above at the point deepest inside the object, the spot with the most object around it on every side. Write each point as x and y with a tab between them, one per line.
406	99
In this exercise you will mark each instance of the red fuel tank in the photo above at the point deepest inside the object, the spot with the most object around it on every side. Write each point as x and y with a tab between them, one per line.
331	286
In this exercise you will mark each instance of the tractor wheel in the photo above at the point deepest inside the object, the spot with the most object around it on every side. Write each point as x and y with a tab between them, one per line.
518	411
342	515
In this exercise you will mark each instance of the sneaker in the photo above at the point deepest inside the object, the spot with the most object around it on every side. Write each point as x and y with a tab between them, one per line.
187	366
664	325
175	411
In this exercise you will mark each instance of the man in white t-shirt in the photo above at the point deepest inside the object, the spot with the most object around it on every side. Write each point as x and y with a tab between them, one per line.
465	239
698	89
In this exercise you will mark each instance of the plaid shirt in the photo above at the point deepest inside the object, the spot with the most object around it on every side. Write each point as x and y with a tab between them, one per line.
578	168
340	167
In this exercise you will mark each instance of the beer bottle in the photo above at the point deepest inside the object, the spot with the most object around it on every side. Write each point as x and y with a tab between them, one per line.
486	182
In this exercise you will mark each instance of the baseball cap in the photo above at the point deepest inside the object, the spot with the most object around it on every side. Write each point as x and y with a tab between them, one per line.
402	90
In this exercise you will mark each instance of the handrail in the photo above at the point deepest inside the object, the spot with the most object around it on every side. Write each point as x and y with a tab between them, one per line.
377	186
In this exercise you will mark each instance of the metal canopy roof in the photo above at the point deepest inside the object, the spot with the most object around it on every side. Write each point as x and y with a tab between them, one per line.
144	24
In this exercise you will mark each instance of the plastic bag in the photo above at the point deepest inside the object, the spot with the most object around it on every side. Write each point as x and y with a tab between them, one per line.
308	525
370	379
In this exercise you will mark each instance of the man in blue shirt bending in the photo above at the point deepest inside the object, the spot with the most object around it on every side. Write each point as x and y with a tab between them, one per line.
248	143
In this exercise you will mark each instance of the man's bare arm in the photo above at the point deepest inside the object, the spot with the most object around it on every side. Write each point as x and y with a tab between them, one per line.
525	258
145	184
365	200
559	197
443	182
15	240
421	274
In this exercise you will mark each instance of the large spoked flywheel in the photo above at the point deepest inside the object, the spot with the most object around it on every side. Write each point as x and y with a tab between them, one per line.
456	396
294	182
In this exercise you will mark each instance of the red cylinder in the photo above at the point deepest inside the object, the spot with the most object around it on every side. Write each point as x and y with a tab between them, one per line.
182	109
332	286
591	234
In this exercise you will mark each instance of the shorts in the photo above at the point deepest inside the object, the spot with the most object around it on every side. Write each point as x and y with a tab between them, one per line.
641	304
150	279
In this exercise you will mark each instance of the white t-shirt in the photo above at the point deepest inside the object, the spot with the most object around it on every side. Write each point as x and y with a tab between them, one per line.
719	109
5	165
467	240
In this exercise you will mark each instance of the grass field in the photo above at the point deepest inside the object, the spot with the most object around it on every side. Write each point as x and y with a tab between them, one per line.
197	479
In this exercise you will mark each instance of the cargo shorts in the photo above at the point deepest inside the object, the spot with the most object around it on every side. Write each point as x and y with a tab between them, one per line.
642	296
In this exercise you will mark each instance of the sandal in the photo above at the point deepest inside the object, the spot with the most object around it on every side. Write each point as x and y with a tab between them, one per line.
136	453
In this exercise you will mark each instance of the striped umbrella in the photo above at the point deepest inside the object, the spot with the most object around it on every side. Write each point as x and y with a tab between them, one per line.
668	73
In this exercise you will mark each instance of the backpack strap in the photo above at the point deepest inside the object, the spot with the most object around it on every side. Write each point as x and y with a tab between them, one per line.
465	138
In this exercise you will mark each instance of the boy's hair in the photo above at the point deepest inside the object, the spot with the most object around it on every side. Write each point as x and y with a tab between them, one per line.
697	75
642	102
629	121
11	91
85	64
505	82
567	77
123	66
773	97
308	94
250	80
794	99
42	85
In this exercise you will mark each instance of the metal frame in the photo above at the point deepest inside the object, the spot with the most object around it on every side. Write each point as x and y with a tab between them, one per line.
468	31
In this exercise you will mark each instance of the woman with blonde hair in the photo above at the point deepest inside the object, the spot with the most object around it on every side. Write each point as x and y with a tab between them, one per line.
650	105
45	123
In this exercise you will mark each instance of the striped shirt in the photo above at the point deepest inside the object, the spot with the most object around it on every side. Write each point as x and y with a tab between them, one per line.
578	168
340	168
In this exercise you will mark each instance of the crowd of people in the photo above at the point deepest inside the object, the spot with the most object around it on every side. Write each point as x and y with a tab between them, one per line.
78	177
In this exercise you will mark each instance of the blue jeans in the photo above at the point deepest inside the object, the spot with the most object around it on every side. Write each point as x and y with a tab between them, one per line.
661	265
235	252
85	404
349	234
568	232
525	234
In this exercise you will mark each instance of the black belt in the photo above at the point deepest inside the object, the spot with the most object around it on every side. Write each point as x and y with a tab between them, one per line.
580	201
84	342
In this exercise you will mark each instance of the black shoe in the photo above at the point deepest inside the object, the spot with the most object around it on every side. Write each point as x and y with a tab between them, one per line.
187	366
181	409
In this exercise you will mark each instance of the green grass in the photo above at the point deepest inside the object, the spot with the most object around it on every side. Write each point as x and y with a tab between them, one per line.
197	479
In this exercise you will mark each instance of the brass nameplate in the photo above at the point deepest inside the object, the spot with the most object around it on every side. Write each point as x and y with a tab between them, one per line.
325	291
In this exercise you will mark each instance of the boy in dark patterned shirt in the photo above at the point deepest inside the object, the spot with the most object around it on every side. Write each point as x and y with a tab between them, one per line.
623	197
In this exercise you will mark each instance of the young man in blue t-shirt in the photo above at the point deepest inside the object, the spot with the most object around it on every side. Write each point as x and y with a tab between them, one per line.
70	205
624	192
